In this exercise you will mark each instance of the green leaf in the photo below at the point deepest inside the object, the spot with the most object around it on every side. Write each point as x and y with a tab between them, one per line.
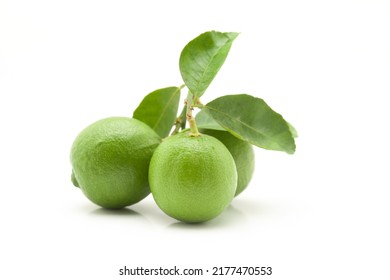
183	117
204	120
202	58
294	132
158	109
252	120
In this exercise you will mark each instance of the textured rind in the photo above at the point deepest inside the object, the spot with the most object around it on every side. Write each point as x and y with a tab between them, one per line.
243	155
110	160
192	179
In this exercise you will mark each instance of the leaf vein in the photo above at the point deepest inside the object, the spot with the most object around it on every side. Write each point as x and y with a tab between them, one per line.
166	107
208	65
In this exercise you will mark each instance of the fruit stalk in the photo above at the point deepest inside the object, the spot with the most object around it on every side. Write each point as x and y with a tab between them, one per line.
180	122
190	118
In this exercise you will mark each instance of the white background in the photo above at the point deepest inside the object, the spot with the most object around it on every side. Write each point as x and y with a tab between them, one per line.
322	213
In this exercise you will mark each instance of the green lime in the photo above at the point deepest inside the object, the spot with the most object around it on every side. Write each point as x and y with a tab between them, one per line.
243	155
192	179
110	160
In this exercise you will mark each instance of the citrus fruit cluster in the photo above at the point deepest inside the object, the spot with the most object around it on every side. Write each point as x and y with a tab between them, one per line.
195	167
117	161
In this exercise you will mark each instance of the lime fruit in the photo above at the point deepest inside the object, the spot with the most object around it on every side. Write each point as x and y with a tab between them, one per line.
243	155
192	178
110	160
